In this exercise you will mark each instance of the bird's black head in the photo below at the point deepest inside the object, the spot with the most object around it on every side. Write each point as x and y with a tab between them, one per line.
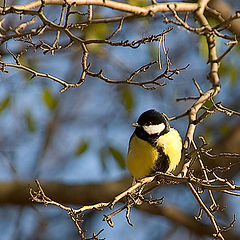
151	124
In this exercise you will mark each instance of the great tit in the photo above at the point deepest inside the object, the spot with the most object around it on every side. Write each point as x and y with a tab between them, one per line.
154	146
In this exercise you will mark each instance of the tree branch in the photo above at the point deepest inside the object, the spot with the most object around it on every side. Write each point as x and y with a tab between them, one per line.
143	11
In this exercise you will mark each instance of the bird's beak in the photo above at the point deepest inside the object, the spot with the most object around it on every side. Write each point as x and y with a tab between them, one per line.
135	125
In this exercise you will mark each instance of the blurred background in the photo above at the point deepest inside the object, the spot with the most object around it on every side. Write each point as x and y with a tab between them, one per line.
81	136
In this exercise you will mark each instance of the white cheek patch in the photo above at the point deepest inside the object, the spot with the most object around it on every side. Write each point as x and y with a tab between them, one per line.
154	129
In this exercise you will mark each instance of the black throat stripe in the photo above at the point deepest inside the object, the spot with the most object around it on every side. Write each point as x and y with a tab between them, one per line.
162	163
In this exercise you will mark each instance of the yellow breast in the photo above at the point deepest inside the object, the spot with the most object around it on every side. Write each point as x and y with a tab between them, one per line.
142	156
172	147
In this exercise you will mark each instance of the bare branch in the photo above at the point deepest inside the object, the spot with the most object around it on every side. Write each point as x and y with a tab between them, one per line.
144	11
204	207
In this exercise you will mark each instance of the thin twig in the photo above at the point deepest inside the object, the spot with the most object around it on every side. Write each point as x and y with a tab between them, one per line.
206	210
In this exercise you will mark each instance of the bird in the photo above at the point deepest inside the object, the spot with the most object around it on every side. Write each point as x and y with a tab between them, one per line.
154	146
